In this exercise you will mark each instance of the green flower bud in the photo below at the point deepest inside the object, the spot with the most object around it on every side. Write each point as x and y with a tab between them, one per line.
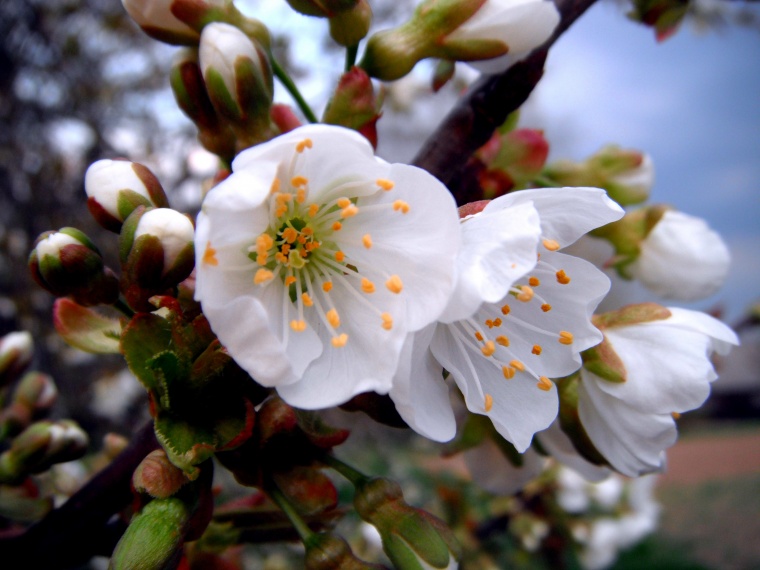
354	105
116	187
33	398
15	355
328	552
321	8
157	476
67	263
350	27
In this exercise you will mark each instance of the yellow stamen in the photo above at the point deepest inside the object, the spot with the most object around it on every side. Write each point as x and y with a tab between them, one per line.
518	365
297	181
394	284
327	286
343	202
534	282
546	307
209	256
565	337
262	258
304	144
400	205
289	280
502	340
536	349
340	340
544	383
508	372
313	209
349	211
275	186
367	285
387	321
285	249
505	310
262	276
339	256
675	415
264	242
367	240
333	318
497	322
301	196
562	277
488	348
337	226
488	402
289	235
298	326
489	323
479	336
307	300
384	184
551	245
526	295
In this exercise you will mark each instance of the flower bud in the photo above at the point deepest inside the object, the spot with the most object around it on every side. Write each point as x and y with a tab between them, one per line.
67	263
156	19
39	447
15	355
674	255
190	93
354	105
157	252
238	79
321	8
627	175
34	397
663	15
116	187
412	538
327	551
350	27
157	476
512	160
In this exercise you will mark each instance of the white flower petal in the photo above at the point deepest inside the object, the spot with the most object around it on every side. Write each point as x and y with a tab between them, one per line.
492	471
561	448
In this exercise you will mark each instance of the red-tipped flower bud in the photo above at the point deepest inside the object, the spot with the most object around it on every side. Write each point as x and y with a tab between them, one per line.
15	355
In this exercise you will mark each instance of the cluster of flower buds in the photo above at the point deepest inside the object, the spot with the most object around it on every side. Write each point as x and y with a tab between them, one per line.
33	398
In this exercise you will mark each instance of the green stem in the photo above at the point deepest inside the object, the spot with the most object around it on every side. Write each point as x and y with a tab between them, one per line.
298	523
347	471
351	52
124	308
287	82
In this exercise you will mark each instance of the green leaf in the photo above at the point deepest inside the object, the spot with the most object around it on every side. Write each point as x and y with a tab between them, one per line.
86	329
146	336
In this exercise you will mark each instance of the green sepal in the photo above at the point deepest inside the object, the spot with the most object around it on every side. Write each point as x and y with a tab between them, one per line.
631	315
308	489
145	336
471	49
86	329
128	201
603	361
220	96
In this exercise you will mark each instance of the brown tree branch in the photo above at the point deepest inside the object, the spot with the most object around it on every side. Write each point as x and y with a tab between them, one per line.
473	120
72	534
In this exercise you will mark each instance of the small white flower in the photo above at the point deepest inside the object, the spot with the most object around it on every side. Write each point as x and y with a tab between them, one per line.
668	369
315	259
682	258
513	322
523	25
173	229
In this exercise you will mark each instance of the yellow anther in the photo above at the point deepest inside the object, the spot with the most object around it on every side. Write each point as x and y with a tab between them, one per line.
505	310
298	326
313	209
262	258
479	336
289	280
301	196
489	323
349	211
327	286
280	211
385	184
508	372
343	202
307	302
518	365
675	415
333	318
551	245
367	285
337	226
304	253
546	307
299	181
401	206
534	282
497	322
502	340
209	256
340	340
536	349
565	337
544	383
387	321
283	197
304	144
289	235
307	231
394	284
264	242
275	186
526	294
488	404
562	277
285	249
262	276
367	240
488	348
339	256
281	257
